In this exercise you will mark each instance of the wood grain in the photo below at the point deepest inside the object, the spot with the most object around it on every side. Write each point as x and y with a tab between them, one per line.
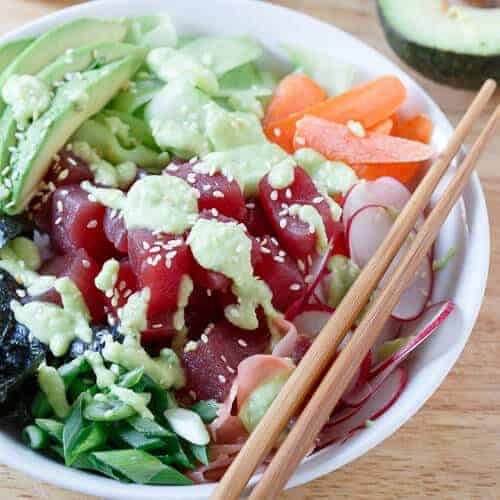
451	448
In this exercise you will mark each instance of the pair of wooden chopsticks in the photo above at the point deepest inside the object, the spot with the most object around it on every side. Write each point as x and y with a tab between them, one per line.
320	355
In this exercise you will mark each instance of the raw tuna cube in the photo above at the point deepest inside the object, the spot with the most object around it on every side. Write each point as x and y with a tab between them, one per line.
293	233
78	222
82	269
256	221
280	272
126	285
212	366
66	170
216	191
159	262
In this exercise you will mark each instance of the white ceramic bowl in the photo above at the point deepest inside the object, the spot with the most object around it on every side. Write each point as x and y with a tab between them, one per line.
467	228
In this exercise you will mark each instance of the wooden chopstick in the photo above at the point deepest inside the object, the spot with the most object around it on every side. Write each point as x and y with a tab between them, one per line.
318	410
321	353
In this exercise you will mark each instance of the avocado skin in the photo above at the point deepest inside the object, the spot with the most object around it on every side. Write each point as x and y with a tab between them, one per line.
457	70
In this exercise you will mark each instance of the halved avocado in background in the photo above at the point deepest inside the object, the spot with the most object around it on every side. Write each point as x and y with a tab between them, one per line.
457	45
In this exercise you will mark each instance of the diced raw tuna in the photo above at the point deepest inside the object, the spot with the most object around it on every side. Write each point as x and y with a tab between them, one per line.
82	269
159	262
158	334
216	191
256	221
115	230
66	170
280	272
204	307
293	233
211	367
78	222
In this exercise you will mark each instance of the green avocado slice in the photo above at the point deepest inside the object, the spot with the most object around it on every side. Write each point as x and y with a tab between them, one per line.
10	50
458	45
74	103
58	40
65	65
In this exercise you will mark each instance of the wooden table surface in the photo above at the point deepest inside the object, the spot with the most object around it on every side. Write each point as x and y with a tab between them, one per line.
451	448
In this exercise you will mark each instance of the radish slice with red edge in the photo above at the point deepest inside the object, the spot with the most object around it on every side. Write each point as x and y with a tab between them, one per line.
367	229
420	329
312	319
359	382
385	191
379	402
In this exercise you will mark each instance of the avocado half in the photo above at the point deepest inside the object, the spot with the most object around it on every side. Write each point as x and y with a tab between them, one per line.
455	45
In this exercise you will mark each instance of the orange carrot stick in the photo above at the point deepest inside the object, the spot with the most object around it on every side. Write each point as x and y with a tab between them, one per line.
337	142
418	128
368	104
293	94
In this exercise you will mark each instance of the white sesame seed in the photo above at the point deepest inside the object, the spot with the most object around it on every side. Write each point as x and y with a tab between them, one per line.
158	325
63	174
288	193
318	199
204	338
265	250
230	370
221	378
154	250
85	263
209	292
295	287
274	195
283	223
274	241
145	245
59	206
279	259
92	224
277	132
58	221
242	343
308	278
206	187
250	205
218	194
301	265
172	168
214	212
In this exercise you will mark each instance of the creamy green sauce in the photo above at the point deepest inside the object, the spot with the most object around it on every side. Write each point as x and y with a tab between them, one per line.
248	165
311	216
54	325
28	96
133	315
106	279
104	377
225	247
138	401
165	370
157	202
282	174
52	385
169	64
120	176
185	291
343	273
333	177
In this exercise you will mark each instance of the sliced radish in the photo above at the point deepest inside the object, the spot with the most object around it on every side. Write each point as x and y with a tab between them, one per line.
416	296
378	403
367	229
420	329
390	331
359	382
312	319
385	191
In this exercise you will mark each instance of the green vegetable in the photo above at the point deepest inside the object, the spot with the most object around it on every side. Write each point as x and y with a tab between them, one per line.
440	264
343	274
130	438
200	453
87	461
34	437
40	407
108	409
52	427
79	436
335	77
148	427
141	467
454	44
207	410
140	93
10	50
152	31
130	379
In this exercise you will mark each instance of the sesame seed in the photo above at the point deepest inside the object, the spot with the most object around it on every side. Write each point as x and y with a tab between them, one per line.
71	161
309	261
277	132
206	187
274	195
265	250
85	263
301	265
308	278
145	245
221	378
63	174
230	370
59	206
172	168
204	338
214	212
209	292
250	205
295	287
300	140
283	223
92	224
218	194
288	193
242	343
279	259
58	221
223	358
274	241
154	250
318	199
21	293
170	255
158	325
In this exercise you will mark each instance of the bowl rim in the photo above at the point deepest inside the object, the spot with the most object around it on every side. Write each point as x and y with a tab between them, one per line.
20	457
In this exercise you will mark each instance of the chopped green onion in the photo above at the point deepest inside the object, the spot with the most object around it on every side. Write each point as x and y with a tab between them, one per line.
207	410
188	425
52	427
34	437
